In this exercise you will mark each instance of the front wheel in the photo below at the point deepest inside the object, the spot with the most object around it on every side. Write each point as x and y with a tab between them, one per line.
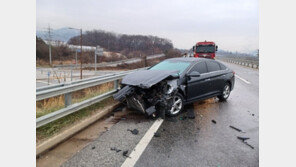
225	93
177	105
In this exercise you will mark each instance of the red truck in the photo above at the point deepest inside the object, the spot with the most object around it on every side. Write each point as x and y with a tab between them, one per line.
205	49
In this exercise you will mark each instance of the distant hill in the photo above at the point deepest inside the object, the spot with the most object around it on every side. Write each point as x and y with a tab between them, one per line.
62	34
129	45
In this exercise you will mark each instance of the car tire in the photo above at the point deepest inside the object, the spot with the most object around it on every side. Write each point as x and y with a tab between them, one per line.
225	93
178	105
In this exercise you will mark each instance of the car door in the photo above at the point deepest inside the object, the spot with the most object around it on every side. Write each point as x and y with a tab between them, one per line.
215	77
198	87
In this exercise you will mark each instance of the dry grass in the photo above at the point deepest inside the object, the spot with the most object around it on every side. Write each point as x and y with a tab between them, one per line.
92	92
59	125
53	104
47	106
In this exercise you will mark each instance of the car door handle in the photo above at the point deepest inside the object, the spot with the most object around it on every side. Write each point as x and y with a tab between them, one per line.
208	79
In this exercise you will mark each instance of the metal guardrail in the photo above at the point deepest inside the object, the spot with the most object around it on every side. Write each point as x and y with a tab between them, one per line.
71	109
247	63
67	89
78	81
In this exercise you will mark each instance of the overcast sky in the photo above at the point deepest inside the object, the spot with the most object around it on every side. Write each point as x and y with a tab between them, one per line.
232	24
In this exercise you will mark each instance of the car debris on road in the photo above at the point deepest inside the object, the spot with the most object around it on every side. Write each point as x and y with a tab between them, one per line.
156	134
243	138
115	149
214	121
135	131
249	145
183	117
124	153
239	130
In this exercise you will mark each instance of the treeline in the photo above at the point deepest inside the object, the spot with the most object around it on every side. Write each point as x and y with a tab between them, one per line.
129	45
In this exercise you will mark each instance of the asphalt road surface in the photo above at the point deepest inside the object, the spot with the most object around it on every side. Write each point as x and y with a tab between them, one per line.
182	141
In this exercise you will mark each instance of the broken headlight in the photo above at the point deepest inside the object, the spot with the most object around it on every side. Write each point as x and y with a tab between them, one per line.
170	89
171	86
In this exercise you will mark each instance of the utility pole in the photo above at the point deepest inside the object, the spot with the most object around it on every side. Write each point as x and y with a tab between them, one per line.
49	44
80	50
95	60
76	59
81	53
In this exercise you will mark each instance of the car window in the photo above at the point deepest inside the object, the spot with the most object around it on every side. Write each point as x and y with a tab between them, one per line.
213	66
223	67
199	67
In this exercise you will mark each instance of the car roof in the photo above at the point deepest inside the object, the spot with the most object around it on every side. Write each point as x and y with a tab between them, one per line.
190	59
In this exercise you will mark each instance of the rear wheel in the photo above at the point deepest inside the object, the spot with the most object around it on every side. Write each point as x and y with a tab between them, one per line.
225	93
177	105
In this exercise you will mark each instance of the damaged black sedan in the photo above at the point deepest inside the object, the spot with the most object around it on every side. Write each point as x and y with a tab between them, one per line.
167	86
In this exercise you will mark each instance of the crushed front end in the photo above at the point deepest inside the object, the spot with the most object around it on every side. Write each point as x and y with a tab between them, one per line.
155	100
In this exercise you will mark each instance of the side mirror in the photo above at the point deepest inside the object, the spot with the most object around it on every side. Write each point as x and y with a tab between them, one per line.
193	48
194	74
216	48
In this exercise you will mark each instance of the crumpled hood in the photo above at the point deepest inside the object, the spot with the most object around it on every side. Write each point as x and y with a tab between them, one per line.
147	78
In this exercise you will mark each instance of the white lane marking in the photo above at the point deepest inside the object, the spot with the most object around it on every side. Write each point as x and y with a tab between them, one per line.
139	149
242	79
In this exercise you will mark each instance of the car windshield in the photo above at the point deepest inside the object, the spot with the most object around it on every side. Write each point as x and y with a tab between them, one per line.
205	49
171	65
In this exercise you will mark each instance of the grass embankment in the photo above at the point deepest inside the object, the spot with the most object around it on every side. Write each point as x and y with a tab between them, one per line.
53	104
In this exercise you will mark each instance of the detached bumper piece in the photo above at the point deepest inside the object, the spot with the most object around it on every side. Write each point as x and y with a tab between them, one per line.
122	93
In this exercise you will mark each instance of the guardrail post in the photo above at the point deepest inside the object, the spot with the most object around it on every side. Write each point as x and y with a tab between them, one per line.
116	84
71	75
48	75
68	99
